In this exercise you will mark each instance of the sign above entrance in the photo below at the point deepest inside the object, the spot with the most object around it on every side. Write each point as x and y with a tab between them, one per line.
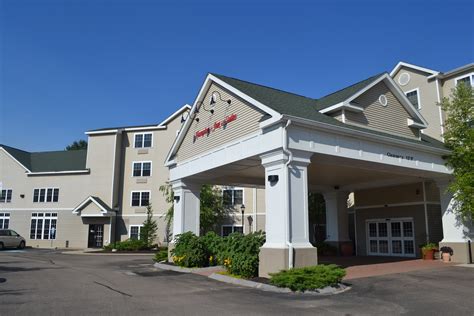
217	125
407	157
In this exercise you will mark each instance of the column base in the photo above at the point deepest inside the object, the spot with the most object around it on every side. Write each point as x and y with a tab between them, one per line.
272	260
460	251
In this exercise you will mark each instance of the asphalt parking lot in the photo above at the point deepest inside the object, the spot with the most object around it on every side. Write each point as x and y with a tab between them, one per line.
44	282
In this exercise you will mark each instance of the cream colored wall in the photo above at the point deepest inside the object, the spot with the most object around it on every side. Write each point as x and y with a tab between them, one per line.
247	122
391	118
428	98
389	195
449	83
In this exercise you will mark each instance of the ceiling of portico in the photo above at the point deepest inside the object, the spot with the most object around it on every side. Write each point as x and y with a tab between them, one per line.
324	173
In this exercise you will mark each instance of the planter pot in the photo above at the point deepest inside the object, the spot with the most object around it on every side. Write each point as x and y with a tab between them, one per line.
347	249
428	254
446	257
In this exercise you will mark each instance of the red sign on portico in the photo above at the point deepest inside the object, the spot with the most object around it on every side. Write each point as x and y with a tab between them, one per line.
217	125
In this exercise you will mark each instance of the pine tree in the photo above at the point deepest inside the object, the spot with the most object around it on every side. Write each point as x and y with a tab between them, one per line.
148	232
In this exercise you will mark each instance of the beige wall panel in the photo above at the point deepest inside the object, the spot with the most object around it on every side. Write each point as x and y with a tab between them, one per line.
247	122
432	192
428	98
415	211
450	83
435	225
391	118
389	195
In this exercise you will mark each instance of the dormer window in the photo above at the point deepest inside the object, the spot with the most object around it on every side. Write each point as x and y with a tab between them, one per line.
414	98
143	140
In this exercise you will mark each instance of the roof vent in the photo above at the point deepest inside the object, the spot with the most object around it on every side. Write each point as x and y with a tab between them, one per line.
383	100
404	79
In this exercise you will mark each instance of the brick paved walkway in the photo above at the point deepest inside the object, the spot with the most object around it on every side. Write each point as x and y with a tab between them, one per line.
362	267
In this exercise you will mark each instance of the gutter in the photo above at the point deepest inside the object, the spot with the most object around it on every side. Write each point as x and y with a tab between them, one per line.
287	181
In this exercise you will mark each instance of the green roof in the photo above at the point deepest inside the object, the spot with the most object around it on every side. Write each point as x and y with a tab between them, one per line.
295	105
49	161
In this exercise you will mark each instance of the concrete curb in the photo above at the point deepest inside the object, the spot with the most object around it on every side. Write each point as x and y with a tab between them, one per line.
465	265
168	267
329	290
82	253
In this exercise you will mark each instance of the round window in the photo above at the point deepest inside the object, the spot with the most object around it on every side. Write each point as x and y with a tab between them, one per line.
404	79
383	100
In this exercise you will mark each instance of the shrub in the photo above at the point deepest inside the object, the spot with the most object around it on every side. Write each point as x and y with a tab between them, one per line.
309	278
190	251
429	246
214	245
127	245
161	255
240	253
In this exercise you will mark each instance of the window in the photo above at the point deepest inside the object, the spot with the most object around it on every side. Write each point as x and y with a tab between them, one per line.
469	80
414	98
6	196
43	225
140	198
229	229
142	169
4	220
46	195
143	140
233	196
135	231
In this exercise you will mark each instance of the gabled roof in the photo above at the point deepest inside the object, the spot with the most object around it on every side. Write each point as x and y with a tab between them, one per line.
49	161
161	125
297	106
104	208
346	93
412	66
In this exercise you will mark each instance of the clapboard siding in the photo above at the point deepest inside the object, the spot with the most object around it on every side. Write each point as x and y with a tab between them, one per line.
247	122
391	118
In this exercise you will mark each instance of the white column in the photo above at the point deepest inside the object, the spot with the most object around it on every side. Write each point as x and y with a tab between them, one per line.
337	218
186	207
454	229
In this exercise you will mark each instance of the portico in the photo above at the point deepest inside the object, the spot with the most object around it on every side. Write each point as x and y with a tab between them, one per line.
282	142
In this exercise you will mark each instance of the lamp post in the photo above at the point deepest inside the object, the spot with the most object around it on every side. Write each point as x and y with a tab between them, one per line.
242	209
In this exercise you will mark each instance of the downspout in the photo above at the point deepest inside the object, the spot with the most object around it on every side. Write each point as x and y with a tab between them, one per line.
287	181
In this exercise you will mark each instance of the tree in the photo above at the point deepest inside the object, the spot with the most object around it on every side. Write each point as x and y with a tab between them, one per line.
459	138
149	230
167	192
77	145
212	209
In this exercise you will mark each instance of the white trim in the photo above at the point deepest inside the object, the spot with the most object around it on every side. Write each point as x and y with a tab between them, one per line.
407	65
108	131
394	205
452	72
45	194
417	96
8	154
343	115
144	128
86	201
130	230
141	169
441	123
32	209
471	78
140	191
172	116
143	140
113	171
6	195
85	171
389	237
234	188
342	105
414	124
207	83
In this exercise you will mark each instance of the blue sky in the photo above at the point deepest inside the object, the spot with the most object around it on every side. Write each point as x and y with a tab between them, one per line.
71	66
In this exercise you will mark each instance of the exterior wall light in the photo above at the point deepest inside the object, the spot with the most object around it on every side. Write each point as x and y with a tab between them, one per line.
176	198
242	210
216	95
273	179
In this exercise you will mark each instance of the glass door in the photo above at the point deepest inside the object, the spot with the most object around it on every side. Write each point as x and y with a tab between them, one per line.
391	237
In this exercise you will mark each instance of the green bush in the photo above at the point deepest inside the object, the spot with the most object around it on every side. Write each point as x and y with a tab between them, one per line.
161	255
240	253
309	278
190	251
214	245
127	245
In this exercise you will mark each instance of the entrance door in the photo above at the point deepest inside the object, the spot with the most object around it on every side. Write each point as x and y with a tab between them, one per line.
96	236
391	237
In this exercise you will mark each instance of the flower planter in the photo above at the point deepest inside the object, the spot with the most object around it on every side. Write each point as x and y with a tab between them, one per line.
446	256
347	249
428	254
